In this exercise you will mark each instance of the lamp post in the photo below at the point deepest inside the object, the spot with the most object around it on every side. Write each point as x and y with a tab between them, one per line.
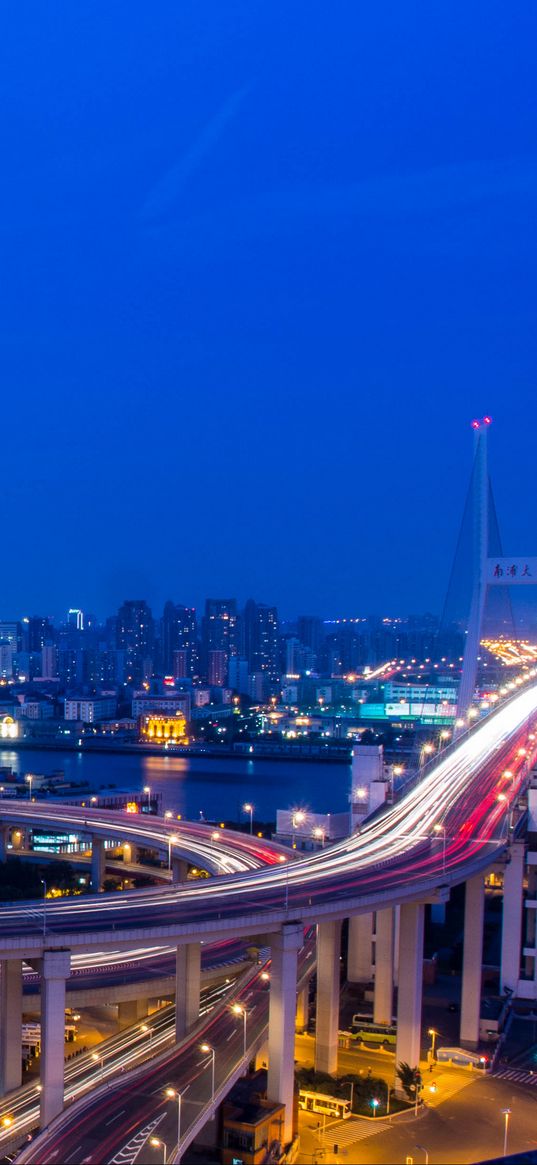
29	777
147	1030
425	1151
147	789
248	808
208	1050
374	1105
157	1144
239	1010
433	1034
506	1113
297	818
174	1094
98	1060
44	885
171	841
319	834
442	829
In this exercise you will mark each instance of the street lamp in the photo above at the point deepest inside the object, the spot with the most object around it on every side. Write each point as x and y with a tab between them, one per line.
374	1105
424	1150
98	1059
171	841
146	1029
506	1113
208	1050
239	1010
29	777
248	808
433	1034
147	789
157	1144
319	834
297	818
174	1094
44	885
442	829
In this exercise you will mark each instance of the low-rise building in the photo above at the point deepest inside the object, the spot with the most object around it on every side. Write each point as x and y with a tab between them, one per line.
92	710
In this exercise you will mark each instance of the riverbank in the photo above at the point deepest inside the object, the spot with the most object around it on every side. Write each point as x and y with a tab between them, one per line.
258	750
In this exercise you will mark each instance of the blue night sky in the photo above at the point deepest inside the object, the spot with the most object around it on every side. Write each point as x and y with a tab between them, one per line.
262	264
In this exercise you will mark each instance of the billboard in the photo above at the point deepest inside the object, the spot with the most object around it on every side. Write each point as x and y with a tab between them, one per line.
511	571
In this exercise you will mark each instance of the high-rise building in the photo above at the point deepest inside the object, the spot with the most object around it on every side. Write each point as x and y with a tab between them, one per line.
217	668
75	618
310	632
220	629
49	662
178	633
135	636
40	631
261	641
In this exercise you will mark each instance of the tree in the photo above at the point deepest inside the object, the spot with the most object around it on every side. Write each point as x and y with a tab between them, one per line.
410	1079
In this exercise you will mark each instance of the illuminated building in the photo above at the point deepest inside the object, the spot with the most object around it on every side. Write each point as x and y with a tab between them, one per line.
163	728
166	703
9	729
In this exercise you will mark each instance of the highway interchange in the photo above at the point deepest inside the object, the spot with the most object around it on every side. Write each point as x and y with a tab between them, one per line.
397	856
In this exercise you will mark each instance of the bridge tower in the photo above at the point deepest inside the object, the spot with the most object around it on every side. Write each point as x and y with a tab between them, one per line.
490	568
480	548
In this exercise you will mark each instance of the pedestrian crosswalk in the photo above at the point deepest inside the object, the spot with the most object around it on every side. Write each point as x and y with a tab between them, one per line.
349	1131
517	1076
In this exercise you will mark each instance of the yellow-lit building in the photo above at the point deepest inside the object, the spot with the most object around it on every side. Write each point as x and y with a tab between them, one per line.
161	728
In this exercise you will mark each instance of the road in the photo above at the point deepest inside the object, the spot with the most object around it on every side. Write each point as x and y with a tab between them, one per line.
396	856
108	1125
467	1128
398	853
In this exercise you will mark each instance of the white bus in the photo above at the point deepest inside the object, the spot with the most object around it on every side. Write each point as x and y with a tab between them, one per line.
325	1105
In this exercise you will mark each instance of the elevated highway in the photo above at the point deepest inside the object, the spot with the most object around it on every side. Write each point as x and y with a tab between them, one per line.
396	858
399	858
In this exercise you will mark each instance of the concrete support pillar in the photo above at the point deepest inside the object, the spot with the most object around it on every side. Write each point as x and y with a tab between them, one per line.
130	853
97	864
55	969
179	870
360	948
410	984
328	982
284	948
383	999
129	1011
4	838
513	900
396	929
10	1024
472	961
302	1009
187	988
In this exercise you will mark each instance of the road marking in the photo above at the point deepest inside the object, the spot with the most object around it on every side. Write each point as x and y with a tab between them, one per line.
349	1131
128	1154
115	1118
517	1076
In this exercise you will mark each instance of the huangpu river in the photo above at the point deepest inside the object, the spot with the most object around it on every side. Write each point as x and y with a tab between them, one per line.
195	787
